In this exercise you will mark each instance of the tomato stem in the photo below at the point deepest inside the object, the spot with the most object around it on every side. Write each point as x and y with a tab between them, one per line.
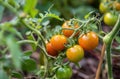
108	39
9	7
100	62
76	30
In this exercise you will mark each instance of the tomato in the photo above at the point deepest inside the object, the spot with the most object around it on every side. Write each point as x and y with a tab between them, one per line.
103	7
110	19
50	50
89	41
64	72
75	53
66	25
58	42
117	5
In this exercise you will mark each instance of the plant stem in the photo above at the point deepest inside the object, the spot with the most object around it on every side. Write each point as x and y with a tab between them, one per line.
9	7
76	30
109	61
27	41
36	31
100	63
108	39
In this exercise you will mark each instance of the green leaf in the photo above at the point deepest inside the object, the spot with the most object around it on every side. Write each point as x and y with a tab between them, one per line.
14	3
17	75
30	7
53	16
3	74
92	27
29	65
13	30
1	12
15	51
33	12
28	53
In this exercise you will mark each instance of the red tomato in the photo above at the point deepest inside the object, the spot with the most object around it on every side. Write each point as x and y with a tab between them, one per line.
89	41
58	42
50	50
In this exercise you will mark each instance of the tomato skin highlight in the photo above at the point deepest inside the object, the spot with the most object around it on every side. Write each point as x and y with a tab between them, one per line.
110	19
89	41
50	50
58	42
68	33
64	72
75	53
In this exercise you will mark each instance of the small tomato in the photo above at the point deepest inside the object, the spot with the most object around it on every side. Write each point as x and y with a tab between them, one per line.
75	53
58	42
103	7
50	50
64	72
110	19
67	32
89	41
117	5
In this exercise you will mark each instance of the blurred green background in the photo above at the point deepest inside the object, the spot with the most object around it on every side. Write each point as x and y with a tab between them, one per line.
69	8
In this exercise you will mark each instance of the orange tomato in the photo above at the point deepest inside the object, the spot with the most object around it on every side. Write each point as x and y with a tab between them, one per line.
66	25
75	53
50	50
89	41
58	42
117	5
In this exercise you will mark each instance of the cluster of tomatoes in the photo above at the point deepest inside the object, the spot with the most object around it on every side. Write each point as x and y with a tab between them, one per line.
110	9
74	53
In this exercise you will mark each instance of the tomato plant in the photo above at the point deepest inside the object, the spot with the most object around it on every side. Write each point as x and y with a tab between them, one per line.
110	18
27	32
75	53
50	50
58	42
64	72
69	29
89	41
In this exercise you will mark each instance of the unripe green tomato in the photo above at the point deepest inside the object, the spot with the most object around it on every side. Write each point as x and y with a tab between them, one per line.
110	19
64	72
103	7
